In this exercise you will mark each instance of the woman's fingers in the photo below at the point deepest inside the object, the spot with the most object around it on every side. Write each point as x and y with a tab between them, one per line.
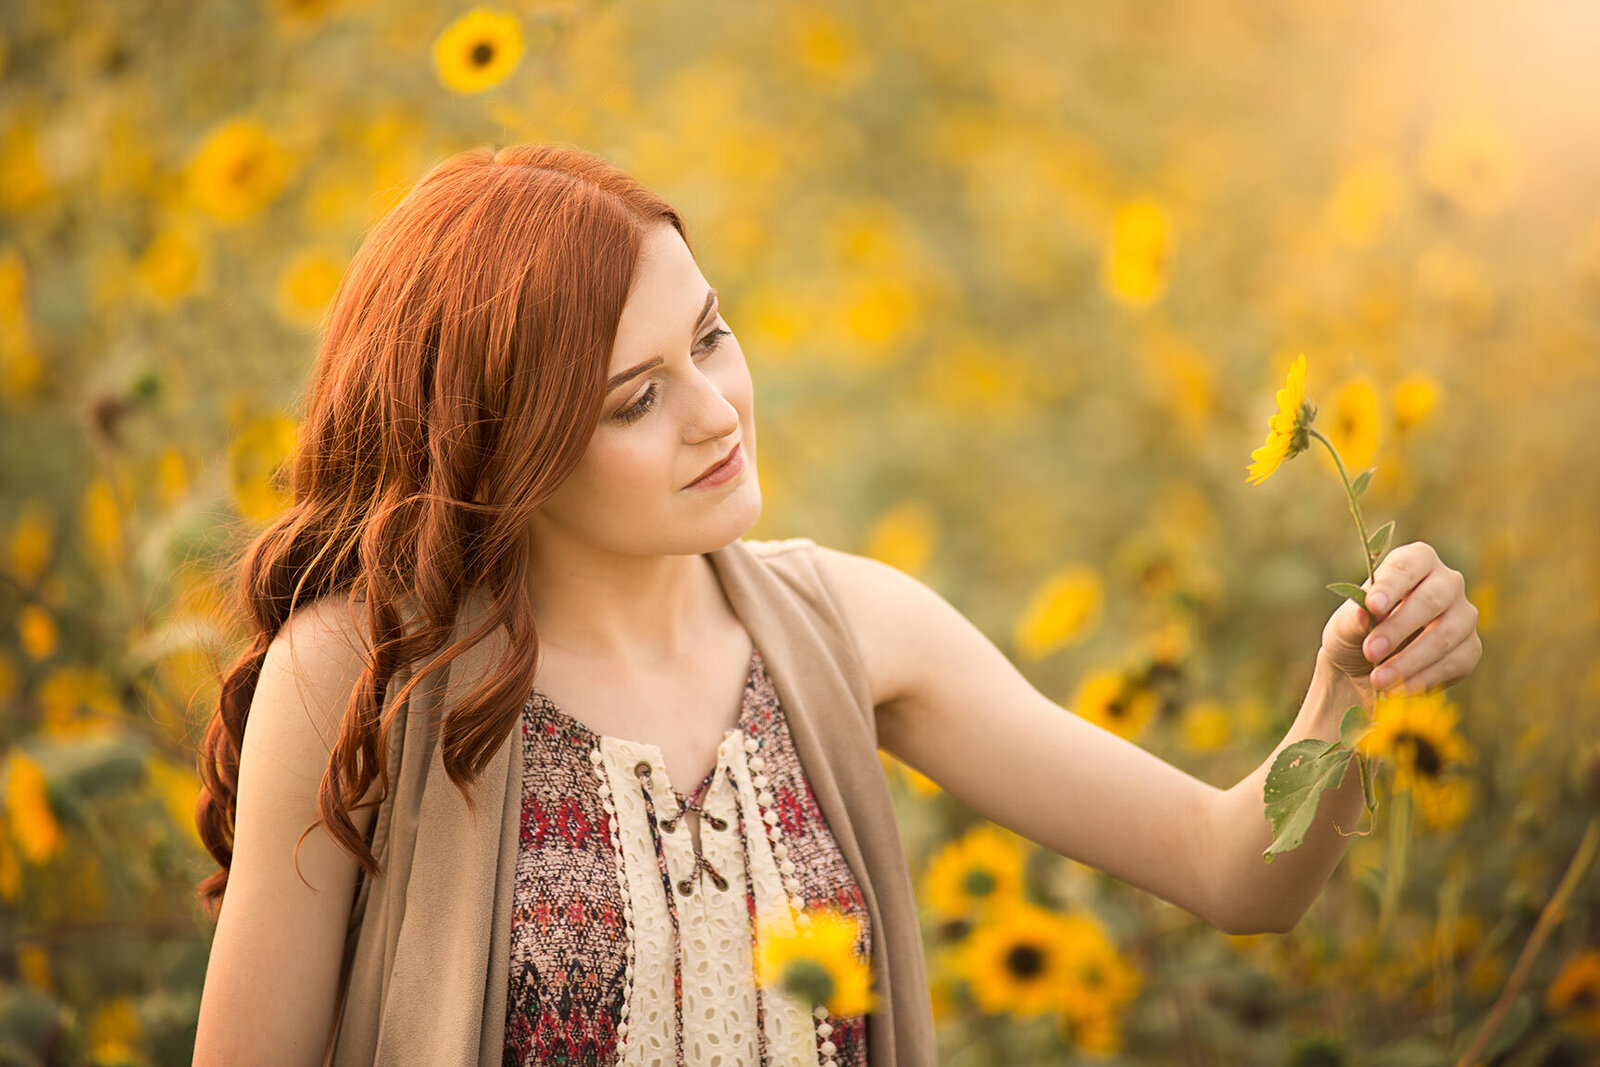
1447	670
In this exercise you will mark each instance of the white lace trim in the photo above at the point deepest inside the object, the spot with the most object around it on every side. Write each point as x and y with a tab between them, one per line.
719	1008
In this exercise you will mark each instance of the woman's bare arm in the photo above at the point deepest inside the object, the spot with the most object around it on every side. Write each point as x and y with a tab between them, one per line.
950	704
272	982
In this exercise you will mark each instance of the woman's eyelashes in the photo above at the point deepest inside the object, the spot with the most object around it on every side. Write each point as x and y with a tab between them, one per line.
647	400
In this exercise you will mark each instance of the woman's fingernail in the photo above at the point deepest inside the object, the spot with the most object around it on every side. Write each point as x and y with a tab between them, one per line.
1382	677
1377	601
1377	648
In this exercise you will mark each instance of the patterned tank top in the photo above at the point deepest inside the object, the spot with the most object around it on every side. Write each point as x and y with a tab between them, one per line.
629	946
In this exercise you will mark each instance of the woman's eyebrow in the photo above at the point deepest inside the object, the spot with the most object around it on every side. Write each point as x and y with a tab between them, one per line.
656	361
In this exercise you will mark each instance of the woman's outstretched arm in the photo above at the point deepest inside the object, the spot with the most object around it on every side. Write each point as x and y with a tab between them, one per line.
950	704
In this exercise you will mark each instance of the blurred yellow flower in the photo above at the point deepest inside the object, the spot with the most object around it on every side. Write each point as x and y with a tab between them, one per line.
172	476
1207	726
1470	161
24	183
307	285
78	702
817	962
237	171
980	870
1355	424
1287	434
180	791
10	866
1115	701
1101	981
100	519
32	540
1412	399
1135	265
254	461
828	47
903	536
479	50
1016	962
1064	609
36	630
33	962
33	821
169	266
880	310
1574	993
1364	201
114	1031
1418	732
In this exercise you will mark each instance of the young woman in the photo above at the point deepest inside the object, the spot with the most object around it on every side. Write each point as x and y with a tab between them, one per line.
529	741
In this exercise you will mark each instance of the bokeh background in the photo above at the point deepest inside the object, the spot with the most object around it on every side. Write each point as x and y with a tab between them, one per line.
1017	284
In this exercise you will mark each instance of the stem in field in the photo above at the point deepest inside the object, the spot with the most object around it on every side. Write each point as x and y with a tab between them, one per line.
1350	495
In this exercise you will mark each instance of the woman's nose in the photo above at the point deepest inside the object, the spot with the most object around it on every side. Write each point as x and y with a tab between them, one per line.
714	414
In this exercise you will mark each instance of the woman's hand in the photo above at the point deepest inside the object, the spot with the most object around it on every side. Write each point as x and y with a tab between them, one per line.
1426	630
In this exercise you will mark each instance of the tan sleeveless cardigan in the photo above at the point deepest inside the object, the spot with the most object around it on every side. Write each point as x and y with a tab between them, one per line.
428	952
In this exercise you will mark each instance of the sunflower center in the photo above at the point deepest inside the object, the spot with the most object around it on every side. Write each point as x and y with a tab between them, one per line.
808	980
242	168
482	53
978	882
1024	961
1116	708
1425	755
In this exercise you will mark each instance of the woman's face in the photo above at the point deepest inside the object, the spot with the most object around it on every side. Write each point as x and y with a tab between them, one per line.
679	400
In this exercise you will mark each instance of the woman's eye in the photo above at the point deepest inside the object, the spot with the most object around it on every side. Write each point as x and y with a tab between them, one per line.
713	339
639	408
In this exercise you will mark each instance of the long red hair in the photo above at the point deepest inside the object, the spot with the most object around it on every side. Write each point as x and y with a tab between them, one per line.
458	382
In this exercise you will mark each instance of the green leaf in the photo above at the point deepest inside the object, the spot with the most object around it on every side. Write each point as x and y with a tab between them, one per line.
1378	543
1359	486
1418	1051
1294	789
1355	725
1354	592
1368	782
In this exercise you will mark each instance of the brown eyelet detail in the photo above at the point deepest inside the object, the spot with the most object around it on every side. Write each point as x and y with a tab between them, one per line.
669	825
642	769
716	823
685	887
721	882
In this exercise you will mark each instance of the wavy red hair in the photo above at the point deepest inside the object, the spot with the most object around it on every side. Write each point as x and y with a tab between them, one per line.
459	380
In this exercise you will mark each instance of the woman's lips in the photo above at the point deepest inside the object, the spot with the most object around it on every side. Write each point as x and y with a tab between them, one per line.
724	472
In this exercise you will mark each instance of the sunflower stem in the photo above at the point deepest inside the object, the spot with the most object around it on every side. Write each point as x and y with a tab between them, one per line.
1395	874
1350	495
1552	913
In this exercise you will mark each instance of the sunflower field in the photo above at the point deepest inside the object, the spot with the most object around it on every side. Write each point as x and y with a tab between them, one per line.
1016	284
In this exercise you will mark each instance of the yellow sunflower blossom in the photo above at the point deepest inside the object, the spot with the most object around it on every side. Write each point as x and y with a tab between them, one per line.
33	821
253	462
1355	427
37	631
1031	961
237	172
981	869
1063	610
1115	701
1287	428
1135	267
1574	993
478	51
1412	400
817	962
1418	733
904	536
